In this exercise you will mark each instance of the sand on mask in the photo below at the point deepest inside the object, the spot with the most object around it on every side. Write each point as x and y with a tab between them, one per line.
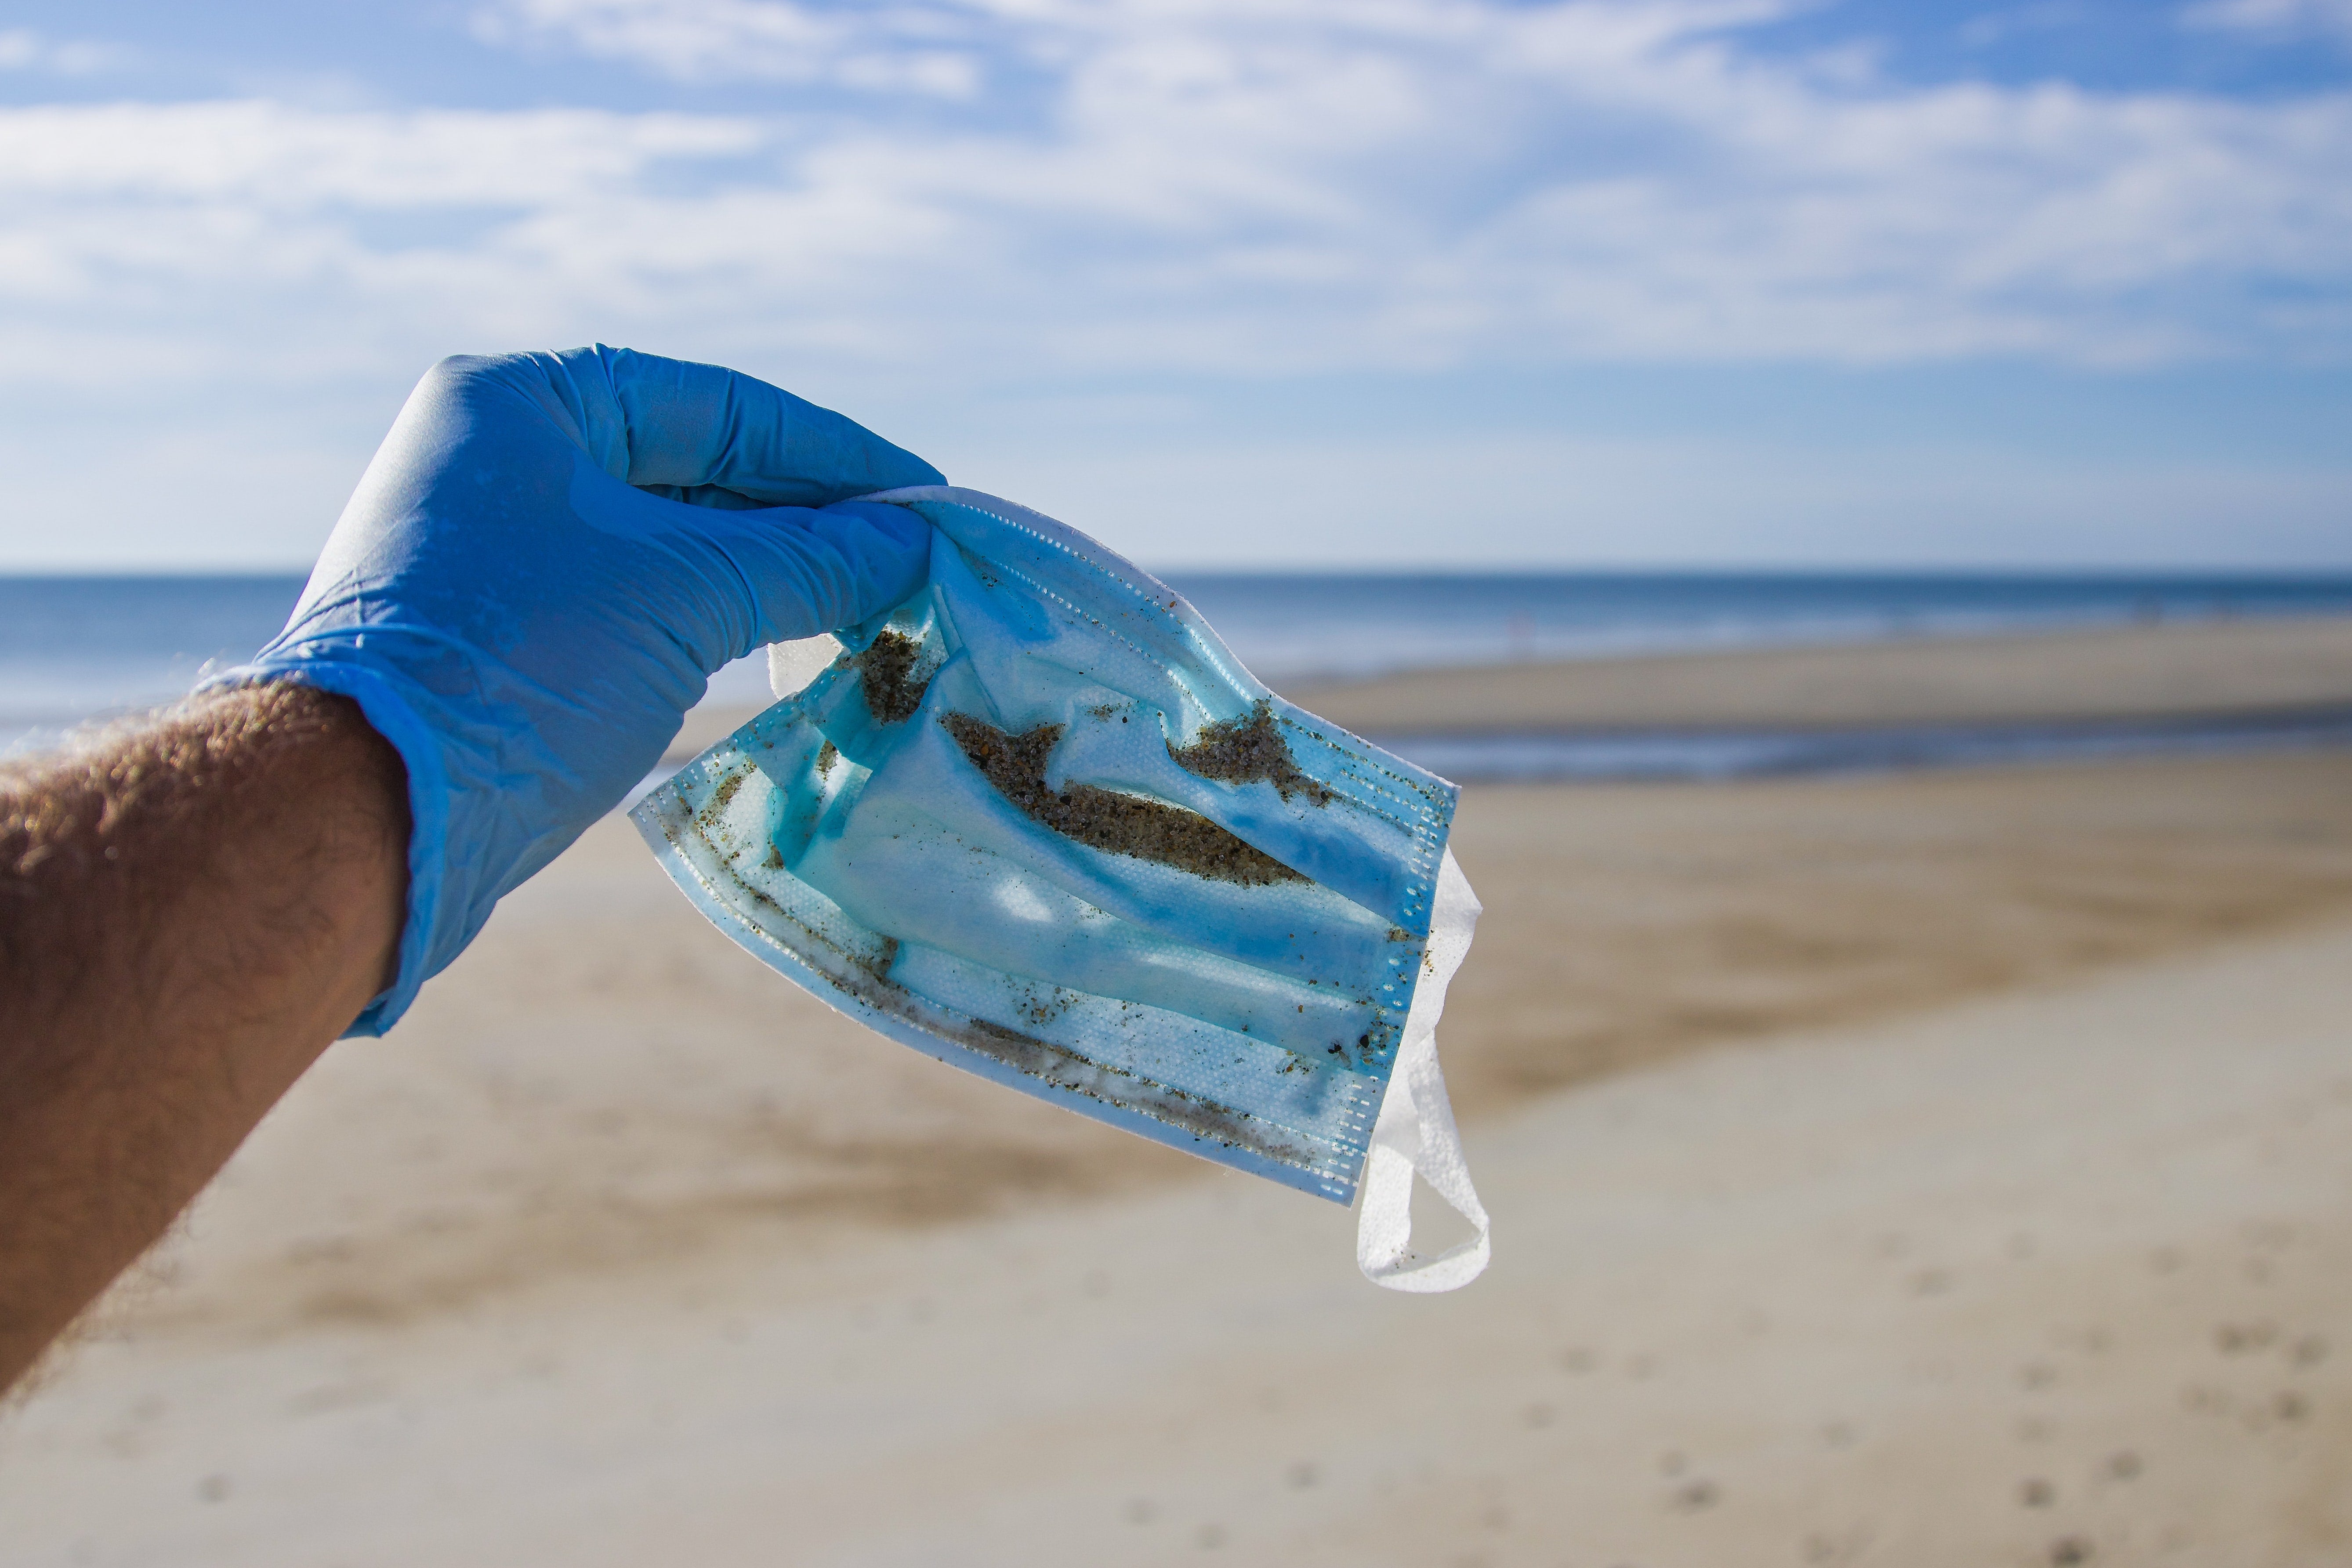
1108	819
887	677
1037	822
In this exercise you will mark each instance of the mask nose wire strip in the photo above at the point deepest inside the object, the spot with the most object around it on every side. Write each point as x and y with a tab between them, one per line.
1415	1130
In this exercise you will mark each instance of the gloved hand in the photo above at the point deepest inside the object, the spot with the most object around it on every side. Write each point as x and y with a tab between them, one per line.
547	558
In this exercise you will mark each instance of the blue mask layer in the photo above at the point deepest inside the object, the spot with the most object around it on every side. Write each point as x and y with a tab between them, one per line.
1037	822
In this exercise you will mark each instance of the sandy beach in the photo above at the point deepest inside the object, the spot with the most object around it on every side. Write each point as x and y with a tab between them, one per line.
1935	1168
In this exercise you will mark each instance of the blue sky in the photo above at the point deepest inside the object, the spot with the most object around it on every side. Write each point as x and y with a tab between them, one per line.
1324	282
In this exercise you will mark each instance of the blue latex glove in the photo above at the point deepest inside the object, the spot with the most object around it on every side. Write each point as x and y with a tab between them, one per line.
547	560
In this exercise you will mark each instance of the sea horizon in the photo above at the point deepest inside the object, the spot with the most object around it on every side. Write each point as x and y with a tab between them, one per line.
77	647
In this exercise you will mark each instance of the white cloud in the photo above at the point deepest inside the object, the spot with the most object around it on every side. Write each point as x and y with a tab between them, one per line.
1225	186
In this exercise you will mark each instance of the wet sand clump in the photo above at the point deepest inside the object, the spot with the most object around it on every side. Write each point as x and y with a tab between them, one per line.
892	692
1248	750
1107	819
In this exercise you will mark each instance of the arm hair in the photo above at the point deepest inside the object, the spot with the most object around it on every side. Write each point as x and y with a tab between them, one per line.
192	907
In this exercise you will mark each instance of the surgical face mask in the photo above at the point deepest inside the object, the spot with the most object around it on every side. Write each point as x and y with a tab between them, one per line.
1039	823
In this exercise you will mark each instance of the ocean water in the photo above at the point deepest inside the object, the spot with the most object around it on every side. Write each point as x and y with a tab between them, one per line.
1289	627
73	648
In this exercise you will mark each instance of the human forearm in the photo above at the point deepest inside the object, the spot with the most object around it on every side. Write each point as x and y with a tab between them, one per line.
542	566
189	914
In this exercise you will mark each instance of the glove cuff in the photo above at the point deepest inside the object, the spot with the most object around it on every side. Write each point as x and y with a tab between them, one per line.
391	715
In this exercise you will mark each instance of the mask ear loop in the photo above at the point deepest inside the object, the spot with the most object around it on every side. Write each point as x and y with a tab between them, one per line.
1415	1130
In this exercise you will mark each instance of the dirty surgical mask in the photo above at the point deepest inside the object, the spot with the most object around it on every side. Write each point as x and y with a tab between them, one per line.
1039	823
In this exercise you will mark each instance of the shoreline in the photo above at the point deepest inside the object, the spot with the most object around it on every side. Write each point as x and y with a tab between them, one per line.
2170	689
2171	671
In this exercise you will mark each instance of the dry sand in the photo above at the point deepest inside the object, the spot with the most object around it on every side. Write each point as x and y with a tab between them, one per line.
2028	1177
